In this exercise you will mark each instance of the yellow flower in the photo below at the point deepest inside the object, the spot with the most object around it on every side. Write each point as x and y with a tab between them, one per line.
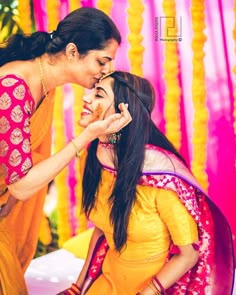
135	38
171	72
199	94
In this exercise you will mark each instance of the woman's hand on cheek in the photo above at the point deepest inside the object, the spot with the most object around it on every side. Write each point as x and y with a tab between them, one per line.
112	123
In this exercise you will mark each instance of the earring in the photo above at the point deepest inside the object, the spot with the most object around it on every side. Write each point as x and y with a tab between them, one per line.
114	138
70	58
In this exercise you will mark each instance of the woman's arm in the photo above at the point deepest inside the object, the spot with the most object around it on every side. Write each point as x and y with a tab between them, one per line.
45	171
95	236
184	233
178	265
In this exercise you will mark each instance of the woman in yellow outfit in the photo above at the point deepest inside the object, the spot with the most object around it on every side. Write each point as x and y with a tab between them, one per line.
31	67
156	231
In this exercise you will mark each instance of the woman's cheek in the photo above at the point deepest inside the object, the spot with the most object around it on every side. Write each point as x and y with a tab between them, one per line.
97	112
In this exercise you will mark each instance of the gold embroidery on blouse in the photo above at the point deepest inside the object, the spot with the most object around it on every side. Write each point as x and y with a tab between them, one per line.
17	114
27	107
15	158
27	125
4	148
19	92
14	177
26	146
4	125
9	82
5	101
16	136
26	165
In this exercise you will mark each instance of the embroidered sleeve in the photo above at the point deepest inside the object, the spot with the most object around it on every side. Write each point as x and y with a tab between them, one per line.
181	225
16	105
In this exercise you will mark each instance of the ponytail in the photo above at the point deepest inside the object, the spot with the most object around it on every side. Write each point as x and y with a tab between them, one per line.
24	47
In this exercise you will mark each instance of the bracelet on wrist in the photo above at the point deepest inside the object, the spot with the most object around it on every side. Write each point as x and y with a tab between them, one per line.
157	284
73	290
77	152
154	288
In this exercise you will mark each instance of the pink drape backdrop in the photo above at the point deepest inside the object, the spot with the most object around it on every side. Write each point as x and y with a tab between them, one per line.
219	61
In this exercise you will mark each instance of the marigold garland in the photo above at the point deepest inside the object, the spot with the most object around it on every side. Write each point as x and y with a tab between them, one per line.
45	234
199	94
74	4
135	38
82	220
53	9
105	6
171	72
63	205
25	16
64	230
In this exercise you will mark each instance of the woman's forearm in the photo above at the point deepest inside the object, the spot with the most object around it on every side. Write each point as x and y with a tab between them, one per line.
45	171
96	234
177	266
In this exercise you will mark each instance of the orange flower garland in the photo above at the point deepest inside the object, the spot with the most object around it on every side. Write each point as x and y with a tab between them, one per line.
64	230
82	220
105	6
63	223
25	16
53	8
135	38
171	71
45	235
74	4
199	94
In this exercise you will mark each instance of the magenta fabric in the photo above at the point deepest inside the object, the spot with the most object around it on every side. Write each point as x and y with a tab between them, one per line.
16	108
40	15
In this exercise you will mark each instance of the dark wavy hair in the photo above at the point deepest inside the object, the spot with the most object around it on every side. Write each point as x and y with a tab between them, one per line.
88	28
139	94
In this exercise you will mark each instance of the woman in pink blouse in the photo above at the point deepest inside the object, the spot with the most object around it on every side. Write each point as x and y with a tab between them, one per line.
79	51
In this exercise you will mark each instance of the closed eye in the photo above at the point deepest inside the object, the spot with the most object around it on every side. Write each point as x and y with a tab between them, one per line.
98	95
101	63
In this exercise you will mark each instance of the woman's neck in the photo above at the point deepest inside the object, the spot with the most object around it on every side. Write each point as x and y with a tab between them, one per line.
105	154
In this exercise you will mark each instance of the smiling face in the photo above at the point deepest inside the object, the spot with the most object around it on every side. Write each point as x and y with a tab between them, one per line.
99	103
87	70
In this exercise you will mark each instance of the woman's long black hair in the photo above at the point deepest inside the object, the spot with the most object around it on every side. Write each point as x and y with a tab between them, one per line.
130	149
88	28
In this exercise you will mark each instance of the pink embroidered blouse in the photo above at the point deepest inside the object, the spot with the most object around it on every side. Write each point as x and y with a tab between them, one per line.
16	108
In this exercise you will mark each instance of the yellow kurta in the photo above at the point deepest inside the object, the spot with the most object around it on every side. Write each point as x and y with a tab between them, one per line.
19	230
157	217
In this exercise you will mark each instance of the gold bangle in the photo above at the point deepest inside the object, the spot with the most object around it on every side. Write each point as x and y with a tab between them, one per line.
154	289
76	149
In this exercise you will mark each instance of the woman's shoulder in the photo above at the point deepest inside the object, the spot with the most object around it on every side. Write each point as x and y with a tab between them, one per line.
14	91
8	79
156	158
159	163
15	72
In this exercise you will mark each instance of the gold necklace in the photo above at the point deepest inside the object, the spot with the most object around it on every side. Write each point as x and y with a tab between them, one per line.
41	77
